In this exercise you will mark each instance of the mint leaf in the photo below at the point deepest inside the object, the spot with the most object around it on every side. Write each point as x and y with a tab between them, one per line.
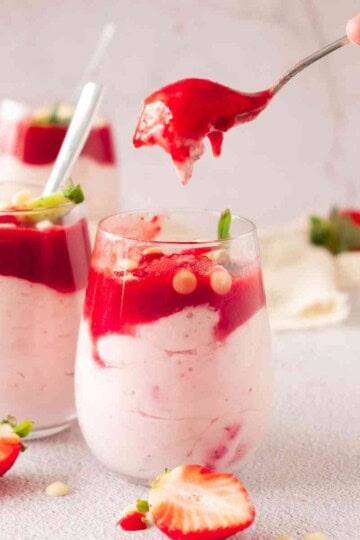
142	506
24	428
53	115
224	224
74	193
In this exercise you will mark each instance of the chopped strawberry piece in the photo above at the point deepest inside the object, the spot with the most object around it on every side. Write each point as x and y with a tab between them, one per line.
196	503
10	442
133	520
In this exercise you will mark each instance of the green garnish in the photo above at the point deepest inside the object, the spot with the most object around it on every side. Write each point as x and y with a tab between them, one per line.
142	506
54	117
224	225
24	428
337	233
70	193
55	205
74	193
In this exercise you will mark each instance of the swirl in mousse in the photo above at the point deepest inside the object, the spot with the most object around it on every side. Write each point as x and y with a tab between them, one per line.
30	141
44	263
173	362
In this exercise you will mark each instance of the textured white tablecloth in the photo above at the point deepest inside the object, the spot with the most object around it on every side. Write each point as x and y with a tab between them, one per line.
304	478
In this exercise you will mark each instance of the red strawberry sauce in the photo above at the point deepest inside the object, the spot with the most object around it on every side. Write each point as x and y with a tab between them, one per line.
115	305
39	145
57	257
199	108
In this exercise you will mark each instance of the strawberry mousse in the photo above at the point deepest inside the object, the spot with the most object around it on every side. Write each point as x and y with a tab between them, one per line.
30	141
174	344
44	261
180	115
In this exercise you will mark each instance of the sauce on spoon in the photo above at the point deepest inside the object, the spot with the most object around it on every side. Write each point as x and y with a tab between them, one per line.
180	115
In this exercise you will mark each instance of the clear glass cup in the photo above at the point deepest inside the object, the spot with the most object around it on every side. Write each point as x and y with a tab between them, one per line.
173	362
30	139
44	263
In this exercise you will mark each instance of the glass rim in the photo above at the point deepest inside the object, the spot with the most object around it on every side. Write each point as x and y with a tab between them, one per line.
27	211
164	211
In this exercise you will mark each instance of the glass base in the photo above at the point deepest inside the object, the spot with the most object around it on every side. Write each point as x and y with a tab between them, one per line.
134	480
48	431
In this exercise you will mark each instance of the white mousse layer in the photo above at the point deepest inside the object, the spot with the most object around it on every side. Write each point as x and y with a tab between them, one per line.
99	181
173	394
38	333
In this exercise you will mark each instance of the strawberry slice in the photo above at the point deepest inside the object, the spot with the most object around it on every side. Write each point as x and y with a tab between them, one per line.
10	442
134	518
192	502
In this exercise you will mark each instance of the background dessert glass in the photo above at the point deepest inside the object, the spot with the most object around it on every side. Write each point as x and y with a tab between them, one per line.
174	344
30	141
44	261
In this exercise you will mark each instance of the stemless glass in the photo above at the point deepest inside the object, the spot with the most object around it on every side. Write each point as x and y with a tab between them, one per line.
44	263
173	363
30	141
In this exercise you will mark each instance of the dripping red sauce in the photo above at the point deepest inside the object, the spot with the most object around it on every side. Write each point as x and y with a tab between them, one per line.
191	109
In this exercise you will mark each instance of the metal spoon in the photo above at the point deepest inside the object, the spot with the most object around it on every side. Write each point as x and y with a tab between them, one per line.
308	61
76	135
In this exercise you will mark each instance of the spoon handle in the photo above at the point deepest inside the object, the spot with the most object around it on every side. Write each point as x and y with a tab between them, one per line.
308	61
76	136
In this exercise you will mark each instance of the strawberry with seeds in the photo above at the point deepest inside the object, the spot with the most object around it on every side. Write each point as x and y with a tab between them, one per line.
192	502
10	441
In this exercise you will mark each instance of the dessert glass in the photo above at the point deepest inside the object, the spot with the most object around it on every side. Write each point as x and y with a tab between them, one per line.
44	262
30	141
173	361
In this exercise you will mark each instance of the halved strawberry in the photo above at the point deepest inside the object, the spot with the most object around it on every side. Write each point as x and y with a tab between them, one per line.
192	502
134	518
10	442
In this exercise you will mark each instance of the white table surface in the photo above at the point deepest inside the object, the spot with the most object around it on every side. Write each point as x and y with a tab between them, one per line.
305	477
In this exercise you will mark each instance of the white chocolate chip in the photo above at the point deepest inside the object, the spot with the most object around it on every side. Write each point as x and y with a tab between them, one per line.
57	489
152	250
184	282
126	265
220	280
20	198
316	536
130	509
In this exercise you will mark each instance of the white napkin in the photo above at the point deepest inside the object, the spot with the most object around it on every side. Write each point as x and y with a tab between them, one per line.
300	280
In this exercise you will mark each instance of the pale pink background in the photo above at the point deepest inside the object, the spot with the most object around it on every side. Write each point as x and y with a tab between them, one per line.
303	152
